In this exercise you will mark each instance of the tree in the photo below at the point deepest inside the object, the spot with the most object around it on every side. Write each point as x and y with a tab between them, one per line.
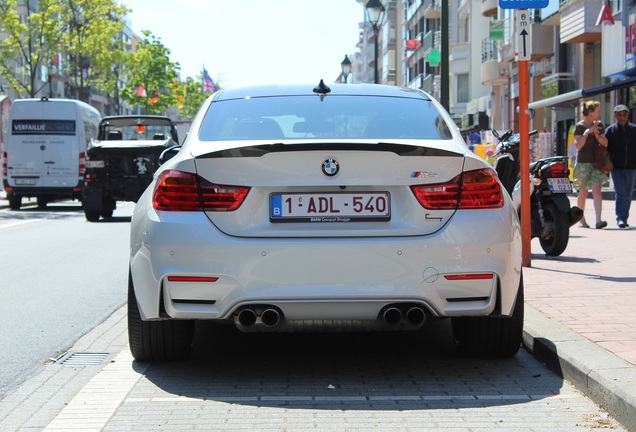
90	33
189	96
30	44
110	72
150	76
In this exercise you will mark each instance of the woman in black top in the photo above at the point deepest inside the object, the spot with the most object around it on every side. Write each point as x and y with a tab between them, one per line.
589	133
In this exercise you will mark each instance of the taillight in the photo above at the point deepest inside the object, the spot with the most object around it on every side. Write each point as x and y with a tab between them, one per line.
556	169
5	172
182	191
82	164
476	189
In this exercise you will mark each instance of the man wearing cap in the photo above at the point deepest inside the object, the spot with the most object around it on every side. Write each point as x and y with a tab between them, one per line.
621	138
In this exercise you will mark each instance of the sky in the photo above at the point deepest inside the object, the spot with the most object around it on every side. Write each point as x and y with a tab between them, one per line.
253	42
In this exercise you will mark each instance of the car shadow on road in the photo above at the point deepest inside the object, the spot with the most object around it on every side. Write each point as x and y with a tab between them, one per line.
377	371
115	219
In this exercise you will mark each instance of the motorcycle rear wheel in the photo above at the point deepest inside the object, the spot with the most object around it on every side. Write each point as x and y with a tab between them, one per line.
555	240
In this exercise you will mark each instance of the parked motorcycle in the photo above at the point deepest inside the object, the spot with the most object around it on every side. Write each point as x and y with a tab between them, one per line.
551	215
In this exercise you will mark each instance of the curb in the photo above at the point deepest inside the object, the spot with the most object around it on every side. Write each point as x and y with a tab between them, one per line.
603	377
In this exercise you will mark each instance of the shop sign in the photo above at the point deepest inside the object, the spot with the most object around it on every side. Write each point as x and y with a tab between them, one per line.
605	16
496	30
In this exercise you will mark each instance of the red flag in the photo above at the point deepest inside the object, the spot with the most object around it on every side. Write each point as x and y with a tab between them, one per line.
141	91
412	44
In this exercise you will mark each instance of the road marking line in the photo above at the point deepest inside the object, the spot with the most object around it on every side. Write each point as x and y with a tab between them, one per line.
13	224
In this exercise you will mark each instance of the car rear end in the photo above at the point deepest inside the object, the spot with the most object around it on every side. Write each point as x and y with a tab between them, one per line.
122	171
45	150
121	164
368	212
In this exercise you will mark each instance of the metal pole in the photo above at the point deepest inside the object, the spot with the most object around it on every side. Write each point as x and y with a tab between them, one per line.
524	161
376	77
444	69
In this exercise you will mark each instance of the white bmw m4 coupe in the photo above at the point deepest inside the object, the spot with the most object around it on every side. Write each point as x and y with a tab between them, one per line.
324	208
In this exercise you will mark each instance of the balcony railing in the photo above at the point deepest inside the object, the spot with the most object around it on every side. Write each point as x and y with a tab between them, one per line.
489	50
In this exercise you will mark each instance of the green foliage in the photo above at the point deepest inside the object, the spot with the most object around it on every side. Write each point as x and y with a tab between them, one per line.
29	44
82	39
89	41
149	69
190	97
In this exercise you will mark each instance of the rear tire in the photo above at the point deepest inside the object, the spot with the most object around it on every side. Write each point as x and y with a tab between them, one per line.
479	337
91	216
42	202
15	202
157	340
555	244
108	206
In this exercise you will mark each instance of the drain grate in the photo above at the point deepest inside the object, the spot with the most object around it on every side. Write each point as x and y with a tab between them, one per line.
83	358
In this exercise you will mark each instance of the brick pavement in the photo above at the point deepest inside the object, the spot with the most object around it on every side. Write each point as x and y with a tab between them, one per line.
591	287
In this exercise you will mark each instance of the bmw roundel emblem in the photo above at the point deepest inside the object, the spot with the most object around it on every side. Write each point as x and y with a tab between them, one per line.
330	167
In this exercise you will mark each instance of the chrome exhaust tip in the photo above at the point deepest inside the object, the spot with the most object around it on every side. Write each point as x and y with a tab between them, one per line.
247	317
392	315
270	317
415	316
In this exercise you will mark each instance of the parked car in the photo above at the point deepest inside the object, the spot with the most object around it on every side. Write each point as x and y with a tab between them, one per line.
120	164
300	208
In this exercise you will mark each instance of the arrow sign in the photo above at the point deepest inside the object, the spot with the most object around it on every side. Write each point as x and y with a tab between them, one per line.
524	35
523	48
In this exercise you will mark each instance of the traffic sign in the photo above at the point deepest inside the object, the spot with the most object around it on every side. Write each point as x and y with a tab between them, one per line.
523	4
524	35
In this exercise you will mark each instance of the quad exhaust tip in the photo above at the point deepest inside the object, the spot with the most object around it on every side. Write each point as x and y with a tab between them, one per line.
248	317
394	314
397	316
270	317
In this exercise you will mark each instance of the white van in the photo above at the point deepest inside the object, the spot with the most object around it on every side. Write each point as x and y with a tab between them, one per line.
45	149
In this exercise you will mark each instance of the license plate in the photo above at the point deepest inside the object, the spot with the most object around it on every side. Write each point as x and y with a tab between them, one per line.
95	164
560	185
330	207
26	182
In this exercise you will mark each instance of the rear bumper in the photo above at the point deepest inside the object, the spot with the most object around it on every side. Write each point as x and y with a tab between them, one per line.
129	189
322	278
35	191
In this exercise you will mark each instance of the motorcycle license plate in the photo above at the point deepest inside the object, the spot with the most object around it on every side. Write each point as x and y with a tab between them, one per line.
560	185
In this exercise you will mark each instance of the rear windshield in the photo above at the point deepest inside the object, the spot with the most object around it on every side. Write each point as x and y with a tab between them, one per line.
135	132
330	117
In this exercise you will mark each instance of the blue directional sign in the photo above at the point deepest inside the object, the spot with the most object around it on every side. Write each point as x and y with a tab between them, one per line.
523	4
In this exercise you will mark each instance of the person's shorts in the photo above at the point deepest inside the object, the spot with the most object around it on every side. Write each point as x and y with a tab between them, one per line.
588	175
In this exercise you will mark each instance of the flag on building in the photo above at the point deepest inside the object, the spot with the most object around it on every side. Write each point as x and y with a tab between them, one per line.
412	44
208	83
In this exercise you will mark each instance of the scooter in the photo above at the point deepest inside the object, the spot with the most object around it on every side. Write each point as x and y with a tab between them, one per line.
551	215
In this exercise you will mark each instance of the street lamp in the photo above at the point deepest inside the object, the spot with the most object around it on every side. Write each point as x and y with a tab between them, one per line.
375	13
346	67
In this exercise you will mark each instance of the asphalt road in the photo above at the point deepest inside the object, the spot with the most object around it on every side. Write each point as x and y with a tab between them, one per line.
60	276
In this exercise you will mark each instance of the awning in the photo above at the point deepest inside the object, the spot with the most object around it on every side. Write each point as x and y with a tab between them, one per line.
582	93
557	100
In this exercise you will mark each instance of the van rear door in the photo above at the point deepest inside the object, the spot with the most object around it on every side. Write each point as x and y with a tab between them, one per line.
45	148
